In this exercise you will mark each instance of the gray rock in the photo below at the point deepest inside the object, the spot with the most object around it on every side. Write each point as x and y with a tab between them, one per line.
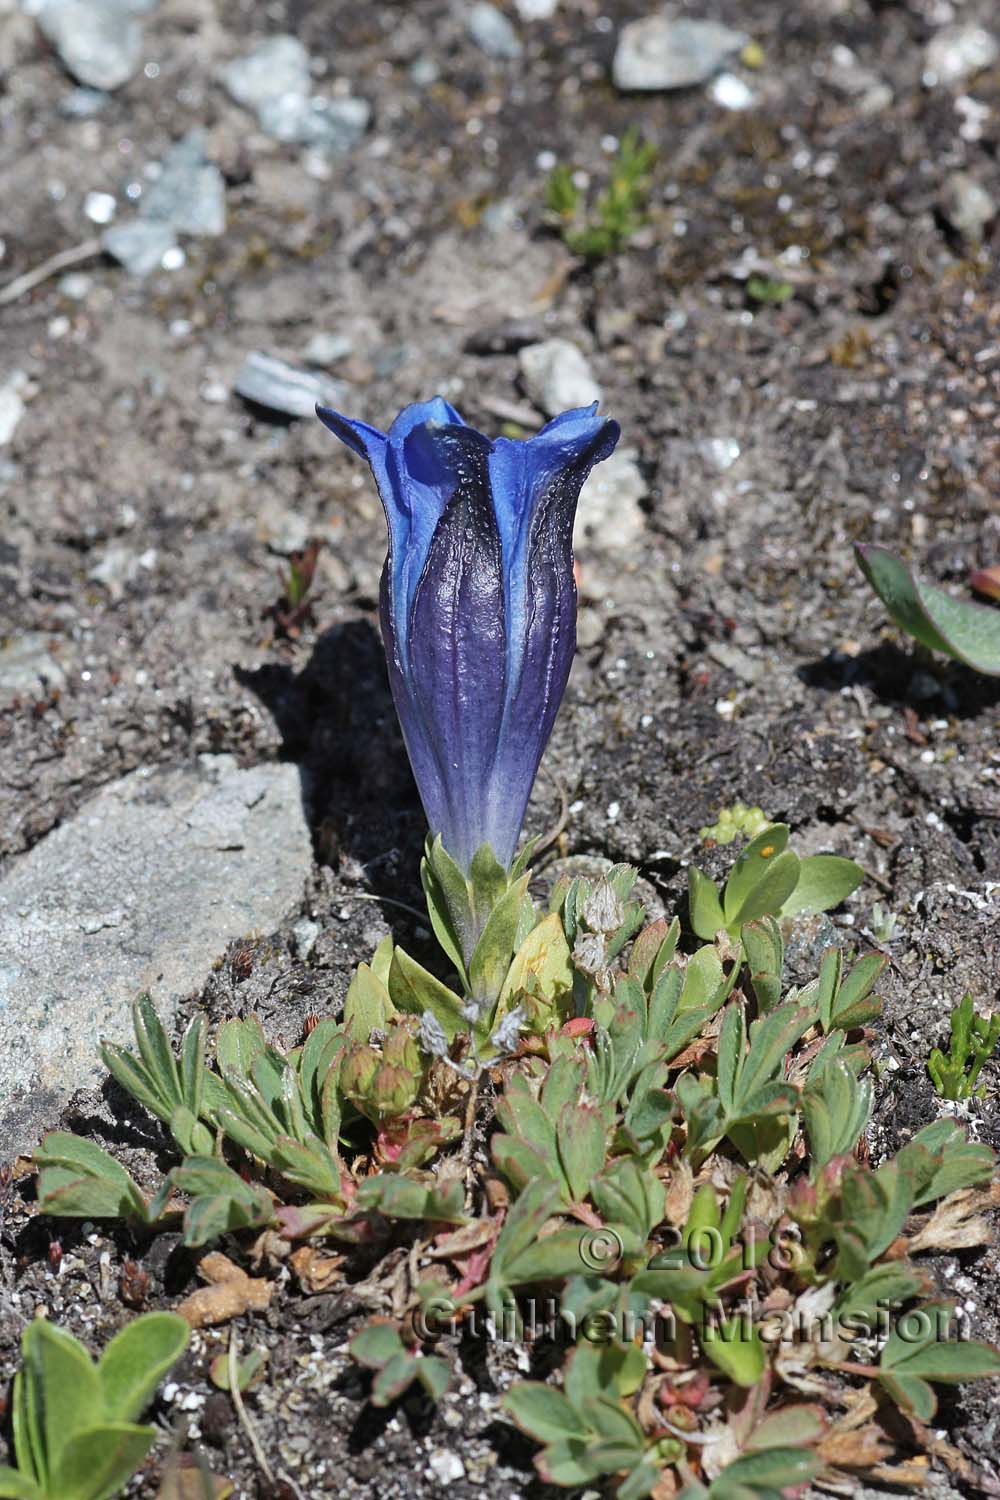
327	348
83	104
492	31
141	890
11	404
557	376
278	66
660	53
720	453
424	72
334	125
306	935
958	52
98	41
609	513
190	192
270	382
139	246
968	206
28	669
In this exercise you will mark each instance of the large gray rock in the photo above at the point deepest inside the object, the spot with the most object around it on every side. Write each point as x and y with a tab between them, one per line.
141	890
98	41
658	52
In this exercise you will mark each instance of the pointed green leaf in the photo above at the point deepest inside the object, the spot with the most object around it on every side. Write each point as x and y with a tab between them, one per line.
413	989
963	629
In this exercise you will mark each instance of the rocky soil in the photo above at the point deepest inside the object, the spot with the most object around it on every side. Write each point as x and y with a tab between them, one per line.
802	345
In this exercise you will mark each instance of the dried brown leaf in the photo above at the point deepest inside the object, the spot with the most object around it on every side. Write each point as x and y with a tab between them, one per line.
230	1292
185	1479
316	1272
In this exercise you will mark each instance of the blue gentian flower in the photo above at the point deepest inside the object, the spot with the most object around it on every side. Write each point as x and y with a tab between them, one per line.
478	603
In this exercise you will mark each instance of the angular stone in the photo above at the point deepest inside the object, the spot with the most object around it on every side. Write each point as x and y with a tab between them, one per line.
98	41
659	53
28	669
491	31
139	246
268	381
278	66
958	52
327	124
141	890
190	192
609	515
557	376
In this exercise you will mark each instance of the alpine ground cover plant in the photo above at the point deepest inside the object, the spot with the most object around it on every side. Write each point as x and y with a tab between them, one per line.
594	1130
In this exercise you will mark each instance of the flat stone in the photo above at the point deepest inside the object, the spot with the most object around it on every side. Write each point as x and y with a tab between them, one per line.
958	52
557	376
968	206
139	246
268	381
190	192
659	53
609	515
278	66
98	41
334	125
326	348
492	31
141	891
28	669
11	404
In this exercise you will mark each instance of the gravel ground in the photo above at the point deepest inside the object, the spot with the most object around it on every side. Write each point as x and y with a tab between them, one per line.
728	645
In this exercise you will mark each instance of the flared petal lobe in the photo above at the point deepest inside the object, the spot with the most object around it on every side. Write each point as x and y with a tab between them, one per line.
478	604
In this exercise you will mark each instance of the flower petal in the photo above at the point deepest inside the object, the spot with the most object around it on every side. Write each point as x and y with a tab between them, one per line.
457	645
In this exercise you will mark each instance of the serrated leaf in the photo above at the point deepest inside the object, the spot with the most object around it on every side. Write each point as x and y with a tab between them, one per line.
962	629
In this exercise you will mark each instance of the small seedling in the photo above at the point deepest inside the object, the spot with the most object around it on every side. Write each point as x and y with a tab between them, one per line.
619	211
974	1038
768	879
75	1432
294	605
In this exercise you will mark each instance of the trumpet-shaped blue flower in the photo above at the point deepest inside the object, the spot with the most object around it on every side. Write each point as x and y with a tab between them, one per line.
478	603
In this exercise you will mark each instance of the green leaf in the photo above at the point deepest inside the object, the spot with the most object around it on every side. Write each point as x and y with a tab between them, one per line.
704	905
156	1051
542	964
581	1139
413	989
62	1393
136	1360
773	887
824	881
735	1346
402	1198
753	864
98	1463
962	629
16	1486
491	959
367	1006
79	1180
220	1200
542	1412
376	1344
238	1044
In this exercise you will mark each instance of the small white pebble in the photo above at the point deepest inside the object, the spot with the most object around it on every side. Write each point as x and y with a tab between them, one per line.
614	811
